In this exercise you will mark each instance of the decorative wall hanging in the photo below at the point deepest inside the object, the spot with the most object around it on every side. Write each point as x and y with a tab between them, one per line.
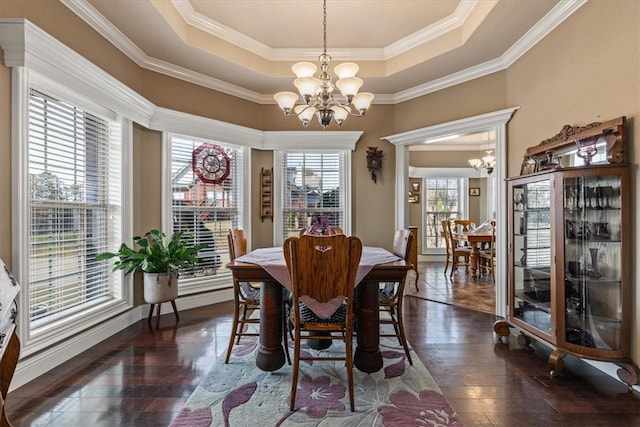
210	163
374	162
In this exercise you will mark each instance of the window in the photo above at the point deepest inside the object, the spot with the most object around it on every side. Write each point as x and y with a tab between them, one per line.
443	200
312	184
74	210
206	211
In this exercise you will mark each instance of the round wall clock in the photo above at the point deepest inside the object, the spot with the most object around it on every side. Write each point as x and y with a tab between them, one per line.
210	163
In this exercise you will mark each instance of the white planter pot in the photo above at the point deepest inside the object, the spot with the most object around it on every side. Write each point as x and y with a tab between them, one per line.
160	287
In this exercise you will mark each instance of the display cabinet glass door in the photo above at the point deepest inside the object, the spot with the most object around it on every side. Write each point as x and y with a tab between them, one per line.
532	254
593	262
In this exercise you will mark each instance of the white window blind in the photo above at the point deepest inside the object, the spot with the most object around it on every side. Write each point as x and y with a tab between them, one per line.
74	160
312	184
206	211
442	200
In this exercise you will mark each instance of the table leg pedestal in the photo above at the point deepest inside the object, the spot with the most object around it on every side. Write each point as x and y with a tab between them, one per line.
270	354
368	357
473	260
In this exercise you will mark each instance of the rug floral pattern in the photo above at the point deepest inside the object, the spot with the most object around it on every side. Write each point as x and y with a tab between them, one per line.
239	394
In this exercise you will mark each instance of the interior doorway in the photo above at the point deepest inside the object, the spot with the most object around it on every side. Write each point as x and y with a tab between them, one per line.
491	122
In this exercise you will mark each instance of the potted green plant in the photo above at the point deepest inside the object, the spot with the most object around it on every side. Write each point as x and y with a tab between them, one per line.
158	260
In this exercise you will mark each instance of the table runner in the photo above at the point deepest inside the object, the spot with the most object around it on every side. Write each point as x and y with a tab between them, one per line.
273	262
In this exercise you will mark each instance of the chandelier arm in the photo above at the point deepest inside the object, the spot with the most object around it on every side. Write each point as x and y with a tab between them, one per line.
317	92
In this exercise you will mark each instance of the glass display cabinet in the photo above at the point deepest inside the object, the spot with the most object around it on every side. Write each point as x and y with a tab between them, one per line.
568	245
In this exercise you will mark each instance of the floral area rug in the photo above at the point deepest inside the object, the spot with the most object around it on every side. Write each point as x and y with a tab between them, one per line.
239	394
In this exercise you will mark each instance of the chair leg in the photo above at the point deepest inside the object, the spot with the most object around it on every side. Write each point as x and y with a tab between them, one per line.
446	265
349	356
403	338
285	331
234	328
296	367
243	316
454	266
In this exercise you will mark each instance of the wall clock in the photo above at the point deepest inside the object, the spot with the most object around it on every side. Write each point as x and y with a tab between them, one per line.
210	163
374	162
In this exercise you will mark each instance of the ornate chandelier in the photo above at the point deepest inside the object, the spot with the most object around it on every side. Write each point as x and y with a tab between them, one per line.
317	92
487	162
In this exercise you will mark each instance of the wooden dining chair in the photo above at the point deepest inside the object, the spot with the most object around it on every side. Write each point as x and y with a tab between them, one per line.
392	294
246	297
322	268
454	252
487	261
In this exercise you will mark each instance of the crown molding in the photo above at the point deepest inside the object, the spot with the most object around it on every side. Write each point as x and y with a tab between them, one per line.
308	140
188	124
482	146
433	31
219	30
27	45
561	11
460	127
548	23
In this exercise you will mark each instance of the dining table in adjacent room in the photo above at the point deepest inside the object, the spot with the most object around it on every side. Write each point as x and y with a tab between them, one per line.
475	239
268	266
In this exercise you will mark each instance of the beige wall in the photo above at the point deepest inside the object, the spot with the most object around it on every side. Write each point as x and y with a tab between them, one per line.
585	70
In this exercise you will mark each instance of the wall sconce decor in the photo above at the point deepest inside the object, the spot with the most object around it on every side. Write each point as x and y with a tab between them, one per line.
374	162
415	186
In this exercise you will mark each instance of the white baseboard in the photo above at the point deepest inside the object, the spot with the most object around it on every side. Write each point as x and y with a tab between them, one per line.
32	367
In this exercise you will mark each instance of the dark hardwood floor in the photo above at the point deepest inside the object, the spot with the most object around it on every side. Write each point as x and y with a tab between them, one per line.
142	377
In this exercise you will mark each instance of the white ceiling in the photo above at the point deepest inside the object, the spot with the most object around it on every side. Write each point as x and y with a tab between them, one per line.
405	48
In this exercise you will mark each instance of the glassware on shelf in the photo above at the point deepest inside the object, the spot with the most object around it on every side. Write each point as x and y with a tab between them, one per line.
587	149
572	198
605	194
593	272
517	200
574	268
601	229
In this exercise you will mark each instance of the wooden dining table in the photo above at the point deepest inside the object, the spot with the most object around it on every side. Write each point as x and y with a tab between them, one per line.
475	240
270	353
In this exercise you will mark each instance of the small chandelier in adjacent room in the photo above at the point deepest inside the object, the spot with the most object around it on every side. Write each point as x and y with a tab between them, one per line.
317	92
487	162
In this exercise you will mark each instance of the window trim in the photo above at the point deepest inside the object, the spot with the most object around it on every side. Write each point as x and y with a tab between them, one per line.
202	284
51	334
463	190
345	196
